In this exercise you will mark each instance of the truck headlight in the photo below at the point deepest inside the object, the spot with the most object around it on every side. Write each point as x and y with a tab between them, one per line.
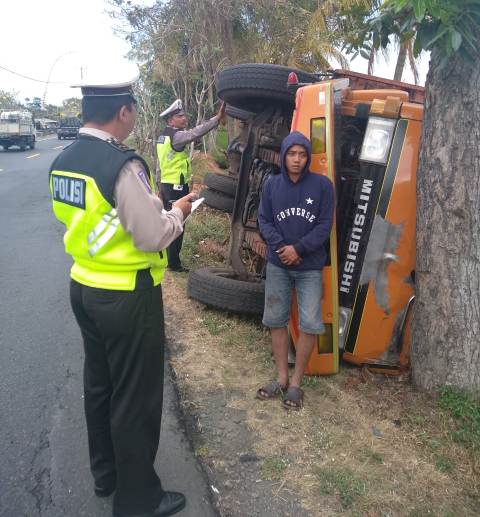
344	316
377	141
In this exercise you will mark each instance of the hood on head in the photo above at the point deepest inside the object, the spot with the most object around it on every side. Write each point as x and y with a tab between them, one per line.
295	138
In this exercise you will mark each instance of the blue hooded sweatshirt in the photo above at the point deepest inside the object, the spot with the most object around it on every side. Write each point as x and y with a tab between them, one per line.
298	213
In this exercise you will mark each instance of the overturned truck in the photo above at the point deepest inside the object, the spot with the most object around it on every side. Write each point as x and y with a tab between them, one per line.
365	134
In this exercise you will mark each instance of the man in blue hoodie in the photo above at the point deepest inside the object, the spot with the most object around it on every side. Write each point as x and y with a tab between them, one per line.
295	218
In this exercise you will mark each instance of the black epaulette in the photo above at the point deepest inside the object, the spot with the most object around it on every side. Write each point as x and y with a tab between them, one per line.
118	145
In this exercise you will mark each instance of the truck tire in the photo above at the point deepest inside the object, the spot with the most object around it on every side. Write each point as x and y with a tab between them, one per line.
251	86
6	147
238	113
217	200
221	183
32	143
221	289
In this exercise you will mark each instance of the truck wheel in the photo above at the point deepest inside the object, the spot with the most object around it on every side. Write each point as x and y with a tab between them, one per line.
221	183
6	147
238	113
217	200
220	288
32	144
59	137
251	86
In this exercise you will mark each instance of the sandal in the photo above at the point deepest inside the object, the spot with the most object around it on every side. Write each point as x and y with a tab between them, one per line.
293	398
270	391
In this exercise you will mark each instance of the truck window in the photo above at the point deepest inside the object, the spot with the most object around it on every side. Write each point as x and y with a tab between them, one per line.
318	135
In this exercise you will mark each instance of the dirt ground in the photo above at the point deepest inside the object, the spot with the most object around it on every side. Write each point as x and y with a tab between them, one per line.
362	446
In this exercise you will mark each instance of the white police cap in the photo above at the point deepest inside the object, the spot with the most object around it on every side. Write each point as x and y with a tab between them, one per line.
108	81
176	108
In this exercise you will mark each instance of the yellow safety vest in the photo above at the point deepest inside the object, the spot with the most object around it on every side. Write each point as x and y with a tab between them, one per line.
104	254
174	165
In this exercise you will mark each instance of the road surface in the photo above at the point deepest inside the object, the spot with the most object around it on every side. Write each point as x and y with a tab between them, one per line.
44	469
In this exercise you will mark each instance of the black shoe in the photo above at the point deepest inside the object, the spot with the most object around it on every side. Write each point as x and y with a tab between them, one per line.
103	491
180	269
171	503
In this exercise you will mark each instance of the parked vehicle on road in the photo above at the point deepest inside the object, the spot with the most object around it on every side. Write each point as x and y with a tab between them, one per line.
365	135
17	128
68	127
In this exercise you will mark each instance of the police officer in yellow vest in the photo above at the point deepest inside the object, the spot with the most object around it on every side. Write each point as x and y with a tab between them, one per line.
174	163
116	233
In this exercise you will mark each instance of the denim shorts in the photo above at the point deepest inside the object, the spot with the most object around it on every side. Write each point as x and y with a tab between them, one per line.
278	296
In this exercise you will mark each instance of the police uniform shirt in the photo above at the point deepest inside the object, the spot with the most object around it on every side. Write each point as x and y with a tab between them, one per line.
140	211
183	137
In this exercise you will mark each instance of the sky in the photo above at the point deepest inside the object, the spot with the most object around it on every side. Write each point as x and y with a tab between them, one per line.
52	40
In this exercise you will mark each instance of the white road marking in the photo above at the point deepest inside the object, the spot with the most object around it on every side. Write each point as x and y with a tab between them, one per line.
58	147
33	156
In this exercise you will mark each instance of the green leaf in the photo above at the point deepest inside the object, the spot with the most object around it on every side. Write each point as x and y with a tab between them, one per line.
417	47
364	54
456	39
419	9
439	35
385	39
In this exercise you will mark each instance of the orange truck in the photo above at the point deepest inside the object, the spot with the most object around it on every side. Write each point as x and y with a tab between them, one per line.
365	134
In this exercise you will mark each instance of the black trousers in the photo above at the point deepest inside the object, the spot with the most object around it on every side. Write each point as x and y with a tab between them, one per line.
123	335
169	195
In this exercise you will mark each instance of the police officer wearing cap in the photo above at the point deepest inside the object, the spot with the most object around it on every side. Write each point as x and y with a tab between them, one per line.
116	233
174	163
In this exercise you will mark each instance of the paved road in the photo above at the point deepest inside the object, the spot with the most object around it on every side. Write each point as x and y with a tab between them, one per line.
44	464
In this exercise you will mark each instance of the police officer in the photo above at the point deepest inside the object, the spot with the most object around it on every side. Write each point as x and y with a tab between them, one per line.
116	233
174	162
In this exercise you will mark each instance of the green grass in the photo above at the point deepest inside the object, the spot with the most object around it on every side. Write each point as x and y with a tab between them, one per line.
444	464
221	138
434	444
316	383
217	323
206	233
273	468
342	482
202	451
221	142
465	409
374	456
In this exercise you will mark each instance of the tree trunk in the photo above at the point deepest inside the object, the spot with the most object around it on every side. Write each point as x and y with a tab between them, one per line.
401	59
446	325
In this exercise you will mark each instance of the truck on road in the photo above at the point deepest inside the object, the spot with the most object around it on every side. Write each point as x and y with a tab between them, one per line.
68	127
17	128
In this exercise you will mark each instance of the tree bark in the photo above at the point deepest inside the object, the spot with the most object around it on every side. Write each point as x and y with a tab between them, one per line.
446	324
401	60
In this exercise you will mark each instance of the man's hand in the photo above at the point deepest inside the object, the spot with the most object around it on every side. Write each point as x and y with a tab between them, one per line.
221	112
289	256
185	203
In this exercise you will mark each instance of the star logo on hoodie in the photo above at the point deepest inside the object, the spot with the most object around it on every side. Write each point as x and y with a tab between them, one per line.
309	200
